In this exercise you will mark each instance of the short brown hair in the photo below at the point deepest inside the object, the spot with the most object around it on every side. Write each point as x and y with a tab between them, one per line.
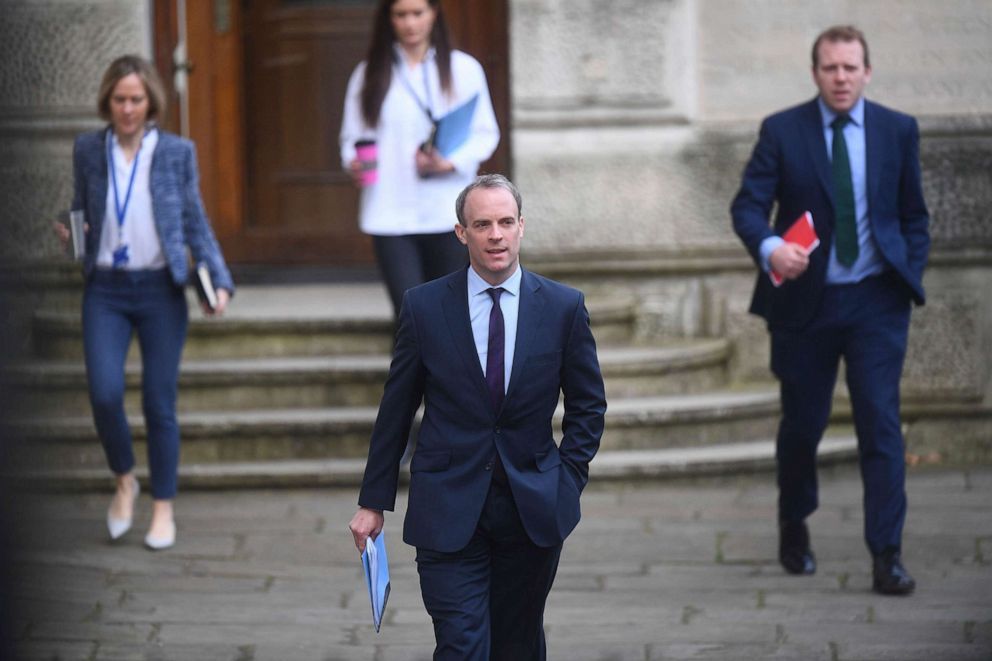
840	33
124	66
487	181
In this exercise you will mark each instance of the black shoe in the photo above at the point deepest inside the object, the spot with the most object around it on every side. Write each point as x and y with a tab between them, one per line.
889	576
793	548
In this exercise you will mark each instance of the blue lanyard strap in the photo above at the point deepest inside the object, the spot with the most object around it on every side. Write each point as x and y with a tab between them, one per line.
121	211
426	107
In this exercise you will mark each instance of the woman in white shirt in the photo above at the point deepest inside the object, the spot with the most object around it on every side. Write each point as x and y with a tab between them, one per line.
411	77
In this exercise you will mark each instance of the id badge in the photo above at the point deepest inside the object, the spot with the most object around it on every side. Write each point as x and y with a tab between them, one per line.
121	257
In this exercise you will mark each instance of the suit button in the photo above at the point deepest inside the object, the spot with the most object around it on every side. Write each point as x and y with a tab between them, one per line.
489	466
498	430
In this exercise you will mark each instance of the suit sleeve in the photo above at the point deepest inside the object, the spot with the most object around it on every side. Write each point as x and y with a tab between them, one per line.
196	228
753	203
402	395
913	215
78	178
585	397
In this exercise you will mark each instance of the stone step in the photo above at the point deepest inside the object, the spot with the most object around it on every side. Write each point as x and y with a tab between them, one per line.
261	332
59	387
716	460
58	336
282	434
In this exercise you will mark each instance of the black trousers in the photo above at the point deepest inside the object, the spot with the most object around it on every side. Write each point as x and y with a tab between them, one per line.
487	599
412	259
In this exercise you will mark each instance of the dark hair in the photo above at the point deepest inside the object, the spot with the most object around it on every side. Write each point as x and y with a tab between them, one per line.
486	181
840	33
379	60
123	67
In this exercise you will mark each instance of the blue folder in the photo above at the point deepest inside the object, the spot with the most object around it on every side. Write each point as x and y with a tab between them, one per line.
453	129
376	570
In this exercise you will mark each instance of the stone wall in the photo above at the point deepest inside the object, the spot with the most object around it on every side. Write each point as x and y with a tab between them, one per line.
632	120
631	128
627	185
52	56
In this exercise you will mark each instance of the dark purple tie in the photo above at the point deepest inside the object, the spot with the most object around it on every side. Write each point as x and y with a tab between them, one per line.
497	348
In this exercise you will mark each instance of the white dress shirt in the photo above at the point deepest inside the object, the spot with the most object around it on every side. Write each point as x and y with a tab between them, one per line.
480	304
138	230
402	202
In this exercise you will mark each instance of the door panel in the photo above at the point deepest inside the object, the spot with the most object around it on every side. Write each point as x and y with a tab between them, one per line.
266	91
302	207
481	30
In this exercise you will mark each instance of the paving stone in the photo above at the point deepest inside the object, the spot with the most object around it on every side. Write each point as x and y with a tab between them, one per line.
131	633
870	633
712	652
592	651
891	651
654	571
978	478
665	632
983	550
47	650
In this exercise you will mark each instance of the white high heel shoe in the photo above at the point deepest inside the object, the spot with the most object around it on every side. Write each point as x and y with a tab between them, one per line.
163	542
118	527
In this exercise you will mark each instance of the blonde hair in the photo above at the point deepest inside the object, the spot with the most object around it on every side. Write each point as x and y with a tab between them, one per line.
121	68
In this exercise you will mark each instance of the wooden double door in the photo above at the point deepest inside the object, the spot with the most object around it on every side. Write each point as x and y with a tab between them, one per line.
262	98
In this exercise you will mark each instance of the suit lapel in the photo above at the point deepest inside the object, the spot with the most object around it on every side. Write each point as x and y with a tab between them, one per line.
98	206
872	149
460	325
155	184
530	314
812	129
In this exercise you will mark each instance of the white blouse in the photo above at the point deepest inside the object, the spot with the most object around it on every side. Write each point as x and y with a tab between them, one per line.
402	202
138	231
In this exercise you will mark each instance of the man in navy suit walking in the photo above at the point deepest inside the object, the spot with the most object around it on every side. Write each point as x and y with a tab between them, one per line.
488	350
854	165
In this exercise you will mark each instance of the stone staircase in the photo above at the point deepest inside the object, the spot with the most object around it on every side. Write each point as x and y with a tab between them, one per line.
284	391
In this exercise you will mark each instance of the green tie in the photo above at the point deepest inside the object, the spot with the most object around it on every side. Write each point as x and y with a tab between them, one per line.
845	226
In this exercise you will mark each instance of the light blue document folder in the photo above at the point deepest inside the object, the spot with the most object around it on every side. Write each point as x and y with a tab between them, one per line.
376	570
453	129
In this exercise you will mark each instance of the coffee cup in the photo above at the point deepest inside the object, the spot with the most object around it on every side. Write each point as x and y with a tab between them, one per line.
365	152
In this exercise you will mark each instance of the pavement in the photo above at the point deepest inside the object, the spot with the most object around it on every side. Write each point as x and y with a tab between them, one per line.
655	570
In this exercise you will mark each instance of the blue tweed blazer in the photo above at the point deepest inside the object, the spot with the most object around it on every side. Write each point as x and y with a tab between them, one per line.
175	188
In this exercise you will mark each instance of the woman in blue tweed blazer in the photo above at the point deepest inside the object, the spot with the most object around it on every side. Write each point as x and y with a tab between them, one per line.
139	189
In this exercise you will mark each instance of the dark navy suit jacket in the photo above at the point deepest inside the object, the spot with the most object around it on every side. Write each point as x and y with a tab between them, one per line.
435	361
175	188
790	166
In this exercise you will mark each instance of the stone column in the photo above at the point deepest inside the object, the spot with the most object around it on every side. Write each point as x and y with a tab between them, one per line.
52	56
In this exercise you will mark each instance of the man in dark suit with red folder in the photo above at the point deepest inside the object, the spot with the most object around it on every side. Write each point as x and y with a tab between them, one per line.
488	350
854	165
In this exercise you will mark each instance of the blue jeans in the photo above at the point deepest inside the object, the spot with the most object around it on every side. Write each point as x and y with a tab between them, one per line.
115	305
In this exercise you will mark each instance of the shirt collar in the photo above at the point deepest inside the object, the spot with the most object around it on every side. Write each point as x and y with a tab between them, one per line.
476	285
148	140
398	53
857	113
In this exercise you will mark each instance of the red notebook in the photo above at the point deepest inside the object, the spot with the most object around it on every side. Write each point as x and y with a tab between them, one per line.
802	232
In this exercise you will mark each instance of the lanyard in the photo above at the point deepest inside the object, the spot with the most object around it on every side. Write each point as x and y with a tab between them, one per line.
426	107
121	210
